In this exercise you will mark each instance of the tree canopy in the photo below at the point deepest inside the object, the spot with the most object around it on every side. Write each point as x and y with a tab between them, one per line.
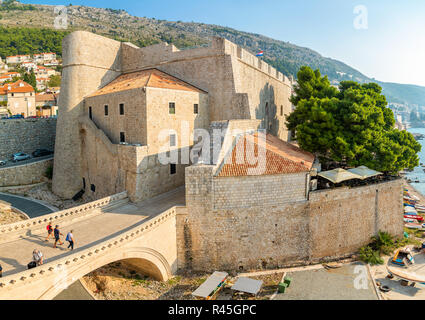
351	125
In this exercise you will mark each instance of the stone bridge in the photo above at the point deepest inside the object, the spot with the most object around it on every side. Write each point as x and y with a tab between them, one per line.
108	230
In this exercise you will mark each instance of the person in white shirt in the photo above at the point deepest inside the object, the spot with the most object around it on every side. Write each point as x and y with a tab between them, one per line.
37	257
70	239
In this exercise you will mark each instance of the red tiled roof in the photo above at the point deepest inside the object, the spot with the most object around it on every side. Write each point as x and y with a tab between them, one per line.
16	87
45	97
280	158
153	78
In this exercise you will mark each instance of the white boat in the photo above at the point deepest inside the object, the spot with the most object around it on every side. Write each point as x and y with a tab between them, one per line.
410	209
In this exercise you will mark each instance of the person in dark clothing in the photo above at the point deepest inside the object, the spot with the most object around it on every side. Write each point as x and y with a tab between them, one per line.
57	234
1	271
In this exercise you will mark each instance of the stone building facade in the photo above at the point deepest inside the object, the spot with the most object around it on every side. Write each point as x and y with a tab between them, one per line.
145	113
237	85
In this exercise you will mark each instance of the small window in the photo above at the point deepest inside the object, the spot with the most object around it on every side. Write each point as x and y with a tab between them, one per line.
173	168
172	140
281	110
195	109
122	137
93	188
90	113
121	109
172	108
106	110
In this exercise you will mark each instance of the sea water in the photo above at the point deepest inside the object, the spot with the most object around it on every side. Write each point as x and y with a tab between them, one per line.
418	173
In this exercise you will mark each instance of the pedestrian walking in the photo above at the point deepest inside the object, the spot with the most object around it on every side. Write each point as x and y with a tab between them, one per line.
49	231
1	271
57	234
70	239
37	257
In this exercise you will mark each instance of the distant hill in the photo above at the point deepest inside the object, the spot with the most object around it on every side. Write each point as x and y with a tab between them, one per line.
120	25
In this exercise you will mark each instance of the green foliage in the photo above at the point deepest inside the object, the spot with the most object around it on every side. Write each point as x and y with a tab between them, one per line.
14	41
382	244
49	173
351	125
8	5
55	81
370	256
31	79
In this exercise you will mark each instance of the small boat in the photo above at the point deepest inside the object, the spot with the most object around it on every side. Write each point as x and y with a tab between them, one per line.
410	210
413	226
413	217
403	258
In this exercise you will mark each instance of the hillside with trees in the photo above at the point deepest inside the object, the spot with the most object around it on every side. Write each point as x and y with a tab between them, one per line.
118	24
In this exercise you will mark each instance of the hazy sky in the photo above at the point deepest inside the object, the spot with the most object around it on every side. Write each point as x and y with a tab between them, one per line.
391	49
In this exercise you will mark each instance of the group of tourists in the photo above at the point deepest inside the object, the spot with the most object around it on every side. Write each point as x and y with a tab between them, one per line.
57	234
37	255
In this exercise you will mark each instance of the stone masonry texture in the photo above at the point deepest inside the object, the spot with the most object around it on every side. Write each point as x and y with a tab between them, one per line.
26	135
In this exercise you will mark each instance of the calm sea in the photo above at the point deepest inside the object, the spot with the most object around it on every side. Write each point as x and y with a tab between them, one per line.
418	173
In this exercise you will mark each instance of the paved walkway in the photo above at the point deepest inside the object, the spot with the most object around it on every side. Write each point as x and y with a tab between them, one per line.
332	284
32	208
14	256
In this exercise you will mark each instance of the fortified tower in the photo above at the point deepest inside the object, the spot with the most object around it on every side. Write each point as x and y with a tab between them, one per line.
89	62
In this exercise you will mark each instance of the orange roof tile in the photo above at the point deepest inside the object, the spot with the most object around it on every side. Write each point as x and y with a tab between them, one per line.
18	87
153	78
280	158
45	97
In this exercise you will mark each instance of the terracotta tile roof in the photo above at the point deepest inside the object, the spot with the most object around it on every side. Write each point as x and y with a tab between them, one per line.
280	158
18	87
45	97
152	78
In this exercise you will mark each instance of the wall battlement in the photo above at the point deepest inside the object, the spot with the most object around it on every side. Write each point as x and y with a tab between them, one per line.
163	52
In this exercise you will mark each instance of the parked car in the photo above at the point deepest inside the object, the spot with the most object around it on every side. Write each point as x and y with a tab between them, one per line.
17	116
20	157
41	153
3	163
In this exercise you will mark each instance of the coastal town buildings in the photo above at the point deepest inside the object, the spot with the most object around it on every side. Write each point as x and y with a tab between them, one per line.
46	104
18	99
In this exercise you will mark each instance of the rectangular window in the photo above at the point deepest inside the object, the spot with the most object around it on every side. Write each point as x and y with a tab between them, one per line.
173	168
172	140
121	109
172	108
106	110
122	137
90	113
195	109
281	110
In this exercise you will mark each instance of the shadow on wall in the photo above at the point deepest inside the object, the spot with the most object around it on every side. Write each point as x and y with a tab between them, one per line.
267	110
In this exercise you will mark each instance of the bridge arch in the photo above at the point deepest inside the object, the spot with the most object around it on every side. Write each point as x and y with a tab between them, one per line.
149	261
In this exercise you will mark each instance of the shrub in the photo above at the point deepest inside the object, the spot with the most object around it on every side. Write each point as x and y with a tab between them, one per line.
382	244
49	173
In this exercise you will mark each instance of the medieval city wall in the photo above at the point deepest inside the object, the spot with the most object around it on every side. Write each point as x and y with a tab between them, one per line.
240	85
113	168
330	224
89	63
25	174
26	135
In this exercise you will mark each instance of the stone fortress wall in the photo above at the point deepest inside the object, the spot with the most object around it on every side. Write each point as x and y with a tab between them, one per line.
239	86
25	174
217	233
26	135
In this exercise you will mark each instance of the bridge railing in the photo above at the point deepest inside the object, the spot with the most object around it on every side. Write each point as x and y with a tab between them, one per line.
85	256
10	231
